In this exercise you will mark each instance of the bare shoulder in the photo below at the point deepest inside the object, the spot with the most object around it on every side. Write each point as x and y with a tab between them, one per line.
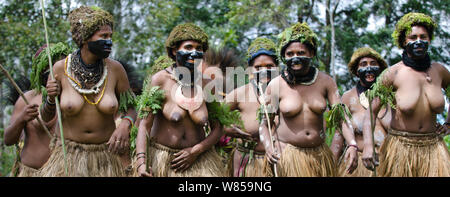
275	85
29	95
159	78
347	95
59	67
324	78
394	68
115	66
440	67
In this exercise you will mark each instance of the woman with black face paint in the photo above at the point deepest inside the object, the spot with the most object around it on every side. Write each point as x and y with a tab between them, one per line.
248	156
366	64
414	146
35	151
175	137
299	96
92	89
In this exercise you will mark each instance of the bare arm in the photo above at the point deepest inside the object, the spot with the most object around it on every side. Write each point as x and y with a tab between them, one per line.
264	132
334	98
351	156
368	152
119	140
54	88
22	114
445	84
231	100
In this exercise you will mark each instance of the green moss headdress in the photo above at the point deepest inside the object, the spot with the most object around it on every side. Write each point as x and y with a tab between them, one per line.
365	52
85	21
300	32
184	32
40	63
262	46
405	24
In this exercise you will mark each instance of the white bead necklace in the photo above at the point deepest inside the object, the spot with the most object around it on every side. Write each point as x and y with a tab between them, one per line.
94	89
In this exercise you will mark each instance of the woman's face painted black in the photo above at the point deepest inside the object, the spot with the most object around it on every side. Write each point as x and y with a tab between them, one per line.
295	62
368	75
265	75
416	42
100	48
417	49
264	68
186	58
187	52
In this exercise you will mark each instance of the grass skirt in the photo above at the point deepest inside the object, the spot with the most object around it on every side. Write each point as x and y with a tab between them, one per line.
360	171
25	171
406	154
208	164
83	160
251	163
305	162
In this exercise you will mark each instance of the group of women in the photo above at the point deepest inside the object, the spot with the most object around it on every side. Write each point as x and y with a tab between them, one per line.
276	121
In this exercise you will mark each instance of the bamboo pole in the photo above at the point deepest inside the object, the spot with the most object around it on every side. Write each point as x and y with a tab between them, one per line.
58	109
372	128
268	124
24	98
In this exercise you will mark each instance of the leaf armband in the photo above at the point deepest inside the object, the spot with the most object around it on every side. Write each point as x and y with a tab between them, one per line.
151	100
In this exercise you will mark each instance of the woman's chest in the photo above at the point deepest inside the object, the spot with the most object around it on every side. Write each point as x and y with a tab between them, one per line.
294	101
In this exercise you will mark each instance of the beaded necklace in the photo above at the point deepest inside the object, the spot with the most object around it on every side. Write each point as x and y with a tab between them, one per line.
77	86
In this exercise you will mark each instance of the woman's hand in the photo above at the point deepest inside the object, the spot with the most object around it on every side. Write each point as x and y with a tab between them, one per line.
142	170
272	156
351	158
443	129
368	158
29	113
184	159
53	90
120	139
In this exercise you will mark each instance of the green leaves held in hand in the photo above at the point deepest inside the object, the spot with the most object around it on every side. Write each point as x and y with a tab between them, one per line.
386	94
151	100
336	116
133	136
127	100
221	112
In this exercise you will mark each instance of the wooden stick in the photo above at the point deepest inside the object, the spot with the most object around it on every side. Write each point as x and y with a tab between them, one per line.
147	150
24	98
268	124
58	108
372	128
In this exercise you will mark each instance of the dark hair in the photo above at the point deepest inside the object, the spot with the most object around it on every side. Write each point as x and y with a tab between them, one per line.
223	58
134	78
403	35
308	46
274	58
11	93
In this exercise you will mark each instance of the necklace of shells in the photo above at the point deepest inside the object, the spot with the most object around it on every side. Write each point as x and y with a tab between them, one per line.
94	89
78	87
189	104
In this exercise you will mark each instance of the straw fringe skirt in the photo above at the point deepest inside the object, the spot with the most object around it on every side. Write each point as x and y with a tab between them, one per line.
305	162
360	171
406	154
83	160
251	163
208	164
25	171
